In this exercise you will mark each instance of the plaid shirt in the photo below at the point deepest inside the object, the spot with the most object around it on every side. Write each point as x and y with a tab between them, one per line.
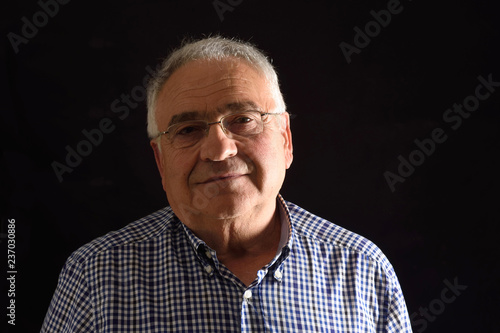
155	275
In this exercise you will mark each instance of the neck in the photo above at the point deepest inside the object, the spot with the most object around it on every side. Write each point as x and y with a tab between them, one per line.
247	233
244	244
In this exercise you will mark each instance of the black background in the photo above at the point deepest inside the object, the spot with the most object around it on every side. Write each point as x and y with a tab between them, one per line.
352	122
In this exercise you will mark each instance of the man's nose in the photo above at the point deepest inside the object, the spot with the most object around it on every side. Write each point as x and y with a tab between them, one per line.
217	146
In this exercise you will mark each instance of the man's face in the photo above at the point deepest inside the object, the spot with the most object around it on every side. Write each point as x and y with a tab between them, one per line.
221	177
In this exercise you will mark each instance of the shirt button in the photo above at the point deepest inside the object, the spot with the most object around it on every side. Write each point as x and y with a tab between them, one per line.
278	275
208	254
247	295
209	269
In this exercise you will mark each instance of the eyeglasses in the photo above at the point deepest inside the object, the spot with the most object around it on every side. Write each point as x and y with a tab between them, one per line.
188	133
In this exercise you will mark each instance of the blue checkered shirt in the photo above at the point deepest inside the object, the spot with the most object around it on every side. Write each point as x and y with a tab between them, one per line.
155	275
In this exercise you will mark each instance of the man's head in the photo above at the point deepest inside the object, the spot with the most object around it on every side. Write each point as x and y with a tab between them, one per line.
213	48
209	171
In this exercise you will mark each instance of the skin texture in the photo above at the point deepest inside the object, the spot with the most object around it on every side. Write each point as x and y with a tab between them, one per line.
224	189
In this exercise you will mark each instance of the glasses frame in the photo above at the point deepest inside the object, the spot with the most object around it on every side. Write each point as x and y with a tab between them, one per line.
220	122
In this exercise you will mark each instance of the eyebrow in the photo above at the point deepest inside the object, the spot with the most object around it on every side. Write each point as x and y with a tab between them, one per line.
240	106
196	115
184	116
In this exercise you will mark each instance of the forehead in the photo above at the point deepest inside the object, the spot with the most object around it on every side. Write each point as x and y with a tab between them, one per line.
205	86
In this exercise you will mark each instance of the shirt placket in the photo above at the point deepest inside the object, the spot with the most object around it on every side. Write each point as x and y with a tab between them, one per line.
252	317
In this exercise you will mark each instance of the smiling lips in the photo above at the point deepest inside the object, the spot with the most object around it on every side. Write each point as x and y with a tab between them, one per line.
226	176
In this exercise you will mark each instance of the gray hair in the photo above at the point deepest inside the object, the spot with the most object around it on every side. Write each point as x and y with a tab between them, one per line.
211	48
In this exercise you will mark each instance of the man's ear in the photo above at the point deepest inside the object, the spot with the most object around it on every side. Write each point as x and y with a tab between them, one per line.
287	136
158	157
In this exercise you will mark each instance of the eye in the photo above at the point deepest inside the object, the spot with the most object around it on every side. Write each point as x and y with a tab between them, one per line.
244	123
242	120
188	129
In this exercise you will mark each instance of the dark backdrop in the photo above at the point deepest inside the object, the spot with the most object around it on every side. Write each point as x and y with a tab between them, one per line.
357	118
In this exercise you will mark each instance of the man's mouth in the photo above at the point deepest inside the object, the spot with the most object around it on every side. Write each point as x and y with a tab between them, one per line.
223	177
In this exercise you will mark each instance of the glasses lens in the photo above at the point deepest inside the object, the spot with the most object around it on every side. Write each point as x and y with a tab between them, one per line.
243	123
187	133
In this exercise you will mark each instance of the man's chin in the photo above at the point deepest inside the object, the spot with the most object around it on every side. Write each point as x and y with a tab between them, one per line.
221	206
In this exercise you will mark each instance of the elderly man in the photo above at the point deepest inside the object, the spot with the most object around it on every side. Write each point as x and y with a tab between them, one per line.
229	254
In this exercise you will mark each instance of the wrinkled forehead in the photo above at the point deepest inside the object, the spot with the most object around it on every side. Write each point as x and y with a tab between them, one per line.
210	86
202	73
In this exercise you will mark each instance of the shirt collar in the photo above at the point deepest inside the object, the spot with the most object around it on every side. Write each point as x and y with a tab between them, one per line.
193	239
286	225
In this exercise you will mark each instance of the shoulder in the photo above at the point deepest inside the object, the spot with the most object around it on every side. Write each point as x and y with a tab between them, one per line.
141	230
317	229
85	272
